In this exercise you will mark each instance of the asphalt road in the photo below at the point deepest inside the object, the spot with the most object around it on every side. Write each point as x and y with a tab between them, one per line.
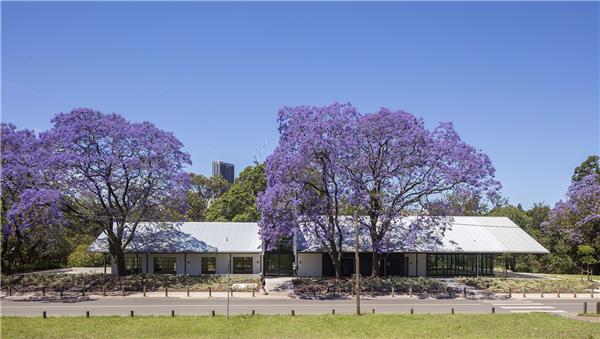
203	306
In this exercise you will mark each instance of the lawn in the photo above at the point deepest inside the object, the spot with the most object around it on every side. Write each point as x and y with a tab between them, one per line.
325	326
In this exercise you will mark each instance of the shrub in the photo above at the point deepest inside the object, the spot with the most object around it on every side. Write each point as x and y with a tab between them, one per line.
81	257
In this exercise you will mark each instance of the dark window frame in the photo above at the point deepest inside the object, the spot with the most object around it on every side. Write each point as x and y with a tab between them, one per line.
204	265
162	263
240	265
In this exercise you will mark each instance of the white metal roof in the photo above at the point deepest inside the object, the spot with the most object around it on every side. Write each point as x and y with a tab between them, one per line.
463	234
210	237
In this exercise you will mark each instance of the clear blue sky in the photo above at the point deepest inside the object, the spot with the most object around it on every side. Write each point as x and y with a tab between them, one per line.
519	80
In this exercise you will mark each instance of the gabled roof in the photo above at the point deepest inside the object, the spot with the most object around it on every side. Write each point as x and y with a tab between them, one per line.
462	234
441	234
208	237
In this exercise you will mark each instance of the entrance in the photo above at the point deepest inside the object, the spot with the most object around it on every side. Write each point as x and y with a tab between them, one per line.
278	263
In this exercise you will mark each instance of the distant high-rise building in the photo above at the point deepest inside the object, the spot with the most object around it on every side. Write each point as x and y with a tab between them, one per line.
225	169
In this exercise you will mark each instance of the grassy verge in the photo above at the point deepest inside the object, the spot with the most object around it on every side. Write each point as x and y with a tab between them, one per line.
593	315
326	326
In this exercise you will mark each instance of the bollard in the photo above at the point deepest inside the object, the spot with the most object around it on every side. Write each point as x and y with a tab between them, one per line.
493	310
591	292
373	311
412	311
524	292
253	312
44	314
333	311
452	310
172	313
254	289
210	292
584	307
87	314
392	291
131	313
144	290
83	292
166	291
9	290
104	290
293	313
231	291
61	292
410	291
122	290
558	293
213	313
598	307
465	292
509	293
542	293
574	293
43	291
188	291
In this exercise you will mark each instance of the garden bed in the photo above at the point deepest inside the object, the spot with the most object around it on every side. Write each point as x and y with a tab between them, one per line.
531	285
112	284
343	287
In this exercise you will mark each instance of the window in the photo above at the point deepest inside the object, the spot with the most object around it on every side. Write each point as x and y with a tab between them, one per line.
459	264
242	265
165	265
209	265
133	265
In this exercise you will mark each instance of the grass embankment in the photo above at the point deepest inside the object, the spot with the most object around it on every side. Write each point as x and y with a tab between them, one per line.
551	284
327	326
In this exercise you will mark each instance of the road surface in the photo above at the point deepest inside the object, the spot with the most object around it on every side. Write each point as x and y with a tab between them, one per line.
121	306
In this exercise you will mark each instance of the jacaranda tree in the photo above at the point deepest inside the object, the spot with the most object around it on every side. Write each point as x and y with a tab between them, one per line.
306	184
31	213
385	165
115	172
399	167
577	219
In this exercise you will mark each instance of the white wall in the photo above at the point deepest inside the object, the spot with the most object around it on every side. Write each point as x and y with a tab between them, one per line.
310	264
194	262
412	264
422	264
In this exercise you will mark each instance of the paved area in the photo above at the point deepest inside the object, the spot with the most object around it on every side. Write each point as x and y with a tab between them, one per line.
280	305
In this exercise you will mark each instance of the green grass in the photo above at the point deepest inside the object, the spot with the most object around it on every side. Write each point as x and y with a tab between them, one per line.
325	326
593	315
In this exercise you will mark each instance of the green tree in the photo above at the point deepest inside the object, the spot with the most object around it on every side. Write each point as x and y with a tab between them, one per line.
587	258
202	192
239	202
589	166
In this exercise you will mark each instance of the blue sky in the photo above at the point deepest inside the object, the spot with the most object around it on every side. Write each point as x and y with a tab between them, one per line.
518	80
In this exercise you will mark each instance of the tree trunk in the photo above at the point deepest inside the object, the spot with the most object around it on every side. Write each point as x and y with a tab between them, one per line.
337	264
376	264
118	254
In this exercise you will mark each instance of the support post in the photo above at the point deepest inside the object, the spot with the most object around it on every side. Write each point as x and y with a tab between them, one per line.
584	307
104	263
356	263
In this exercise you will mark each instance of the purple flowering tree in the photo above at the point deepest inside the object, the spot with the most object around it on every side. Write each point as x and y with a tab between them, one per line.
577	218
306	183
332	160
115	172
31	214
400	168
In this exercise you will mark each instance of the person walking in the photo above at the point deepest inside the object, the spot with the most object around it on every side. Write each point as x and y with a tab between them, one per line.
263	283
